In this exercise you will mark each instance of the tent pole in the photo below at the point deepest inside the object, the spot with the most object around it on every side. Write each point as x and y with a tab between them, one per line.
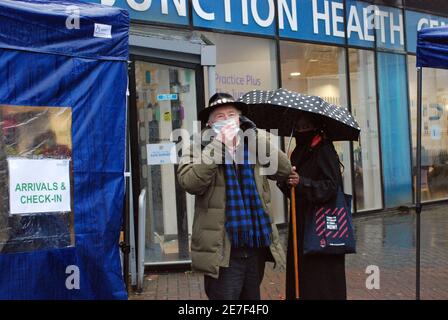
418	205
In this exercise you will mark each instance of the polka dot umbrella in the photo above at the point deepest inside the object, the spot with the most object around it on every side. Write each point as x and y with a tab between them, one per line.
280	109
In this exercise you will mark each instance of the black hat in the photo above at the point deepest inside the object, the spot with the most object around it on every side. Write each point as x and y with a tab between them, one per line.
217	100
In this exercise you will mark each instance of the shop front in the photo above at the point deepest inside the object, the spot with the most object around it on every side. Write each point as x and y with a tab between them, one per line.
357	54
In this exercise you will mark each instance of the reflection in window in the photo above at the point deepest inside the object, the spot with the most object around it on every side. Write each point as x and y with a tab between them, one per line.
364	109
318	70
394	117
243	63
435	129
33	214
165	101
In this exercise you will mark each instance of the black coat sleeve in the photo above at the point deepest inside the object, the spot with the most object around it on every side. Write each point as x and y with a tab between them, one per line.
323	186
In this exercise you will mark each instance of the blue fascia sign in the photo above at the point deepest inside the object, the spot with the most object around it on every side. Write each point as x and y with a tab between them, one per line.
368	25
162	11
323	20
257	17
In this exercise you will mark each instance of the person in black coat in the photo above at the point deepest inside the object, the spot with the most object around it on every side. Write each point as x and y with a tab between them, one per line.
316	176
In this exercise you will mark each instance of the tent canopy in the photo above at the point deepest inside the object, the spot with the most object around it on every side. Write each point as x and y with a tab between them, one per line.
53	27
432	47
432	52
72	55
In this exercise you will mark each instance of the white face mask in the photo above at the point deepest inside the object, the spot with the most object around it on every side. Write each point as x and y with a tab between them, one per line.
218	125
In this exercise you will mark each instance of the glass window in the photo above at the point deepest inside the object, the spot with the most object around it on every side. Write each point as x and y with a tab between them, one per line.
367	169
245	64
318	70
36	178
165	101
434	129
394	117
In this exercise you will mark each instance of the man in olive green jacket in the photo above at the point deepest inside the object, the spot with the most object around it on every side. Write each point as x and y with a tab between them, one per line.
229	269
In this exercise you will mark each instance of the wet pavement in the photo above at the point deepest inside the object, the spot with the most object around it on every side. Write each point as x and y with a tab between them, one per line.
385	242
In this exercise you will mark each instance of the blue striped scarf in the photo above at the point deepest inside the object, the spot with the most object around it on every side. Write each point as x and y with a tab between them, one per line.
247	224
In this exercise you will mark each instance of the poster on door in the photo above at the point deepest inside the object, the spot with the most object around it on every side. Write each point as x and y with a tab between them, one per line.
161	153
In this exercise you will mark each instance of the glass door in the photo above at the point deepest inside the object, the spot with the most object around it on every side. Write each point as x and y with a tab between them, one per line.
165	100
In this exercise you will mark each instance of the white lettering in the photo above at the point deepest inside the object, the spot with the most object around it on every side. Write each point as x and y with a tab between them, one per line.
164	5
137	6
268	21
189	310
245	12
204	15
396	28
353	23
228	11
382	15
421	23
374	21
368	23
433	23
292	16
180	5
321	16
335	6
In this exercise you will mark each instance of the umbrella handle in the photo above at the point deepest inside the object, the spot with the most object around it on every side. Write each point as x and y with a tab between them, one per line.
294	235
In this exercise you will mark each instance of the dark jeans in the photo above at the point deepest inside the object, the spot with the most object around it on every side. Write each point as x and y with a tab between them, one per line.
242	279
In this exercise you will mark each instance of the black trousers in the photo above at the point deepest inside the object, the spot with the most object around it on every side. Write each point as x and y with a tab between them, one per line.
242	279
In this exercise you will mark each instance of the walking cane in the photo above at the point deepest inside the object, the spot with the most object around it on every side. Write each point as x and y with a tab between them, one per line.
294	239
294	232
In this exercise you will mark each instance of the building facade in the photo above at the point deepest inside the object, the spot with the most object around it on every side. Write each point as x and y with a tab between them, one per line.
357	54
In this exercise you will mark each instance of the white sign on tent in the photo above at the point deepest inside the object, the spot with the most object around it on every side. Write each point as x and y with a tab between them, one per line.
39	185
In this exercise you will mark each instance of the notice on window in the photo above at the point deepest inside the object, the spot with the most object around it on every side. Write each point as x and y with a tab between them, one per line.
167	97
161	153
39	185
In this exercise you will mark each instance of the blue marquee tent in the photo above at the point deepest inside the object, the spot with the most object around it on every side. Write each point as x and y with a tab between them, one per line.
72	54
432	47
432	52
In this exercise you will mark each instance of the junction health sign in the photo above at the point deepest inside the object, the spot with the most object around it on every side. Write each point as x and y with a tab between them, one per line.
317	20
